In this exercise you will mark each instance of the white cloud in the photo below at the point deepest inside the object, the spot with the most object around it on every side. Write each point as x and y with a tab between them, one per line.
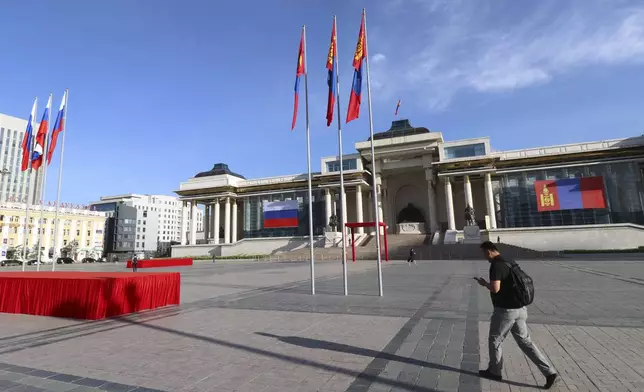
472	45
378	58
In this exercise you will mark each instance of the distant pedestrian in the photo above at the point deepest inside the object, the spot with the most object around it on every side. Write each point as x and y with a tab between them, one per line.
511	290
135	262
412	257
498	239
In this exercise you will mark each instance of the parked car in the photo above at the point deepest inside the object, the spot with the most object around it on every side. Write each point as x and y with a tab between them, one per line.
10	262
32	262
88	260
65	260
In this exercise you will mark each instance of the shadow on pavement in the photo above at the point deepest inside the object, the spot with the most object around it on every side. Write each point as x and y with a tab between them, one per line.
345	348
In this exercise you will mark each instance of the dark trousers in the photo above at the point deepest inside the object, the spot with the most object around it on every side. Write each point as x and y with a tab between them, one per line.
134	267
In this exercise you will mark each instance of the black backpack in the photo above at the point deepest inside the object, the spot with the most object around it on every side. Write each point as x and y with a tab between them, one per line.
522	285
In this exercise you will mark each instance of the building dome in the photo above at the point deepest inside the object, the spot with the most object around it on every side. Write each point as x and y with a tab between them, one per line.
399	128
217	170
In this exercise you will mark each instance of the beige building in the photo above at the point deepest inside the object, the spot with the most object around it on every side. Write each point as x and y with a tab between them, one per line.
75	223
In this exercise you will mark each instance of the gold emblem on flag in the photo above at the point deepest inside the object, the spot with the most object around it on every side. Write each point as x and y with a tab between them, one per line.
547	198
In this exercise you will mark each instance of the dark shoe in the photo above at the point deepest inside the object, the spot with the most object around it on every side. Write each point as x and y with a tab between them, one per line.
489	375
551	380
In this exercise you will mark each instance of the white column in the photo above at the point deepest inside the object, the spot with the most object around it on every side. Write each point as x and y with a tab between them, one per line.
59	237
328	206
468	192
359	212
431	200
384	204
5	233
381	212
489	198
343	203
449	201
193	222
22	227
227	222
234	228
83	239
213	226
46	239
216	221
206	222
35	229
370	218
72	233
184	223
95	226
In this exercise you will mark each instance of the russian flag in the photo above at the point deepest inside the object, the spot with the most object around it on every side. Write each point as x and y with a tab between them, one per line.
41	136
59	126
27	140
281	214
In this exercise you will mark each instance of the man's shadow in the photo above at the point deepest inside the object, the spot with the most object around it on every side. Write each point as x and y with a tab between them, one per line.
365	352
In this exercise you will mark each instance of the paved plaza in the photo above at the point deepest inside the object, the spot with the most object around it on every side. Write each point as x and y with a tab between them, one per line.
254	327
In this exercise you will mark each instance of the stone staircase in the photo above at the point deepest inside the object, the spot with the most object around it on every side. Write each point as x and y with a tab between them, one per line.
399	246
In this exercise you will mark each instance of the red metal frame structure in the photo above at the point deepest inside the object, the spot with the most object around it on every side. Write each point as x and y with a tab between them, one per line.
355	225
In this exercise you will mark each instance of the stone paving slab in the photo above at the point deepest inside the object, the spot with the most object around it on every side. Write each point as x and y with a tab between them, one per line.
256	328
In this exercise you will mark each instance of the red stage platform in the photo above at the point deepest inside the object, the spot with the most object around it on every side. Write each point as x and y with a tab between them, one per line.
154	263
86	295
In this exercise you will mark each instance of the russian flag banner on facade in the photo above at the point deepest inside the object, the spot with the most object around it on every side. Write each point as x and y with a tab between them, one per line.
570	194
281	214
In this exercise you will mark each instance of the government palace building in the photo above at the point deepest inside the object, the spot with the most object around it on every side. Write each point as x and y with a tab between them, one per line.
575	196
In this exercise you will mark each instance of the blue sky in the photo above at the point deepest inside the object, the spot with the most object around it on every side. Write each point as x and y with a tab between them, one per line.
161	90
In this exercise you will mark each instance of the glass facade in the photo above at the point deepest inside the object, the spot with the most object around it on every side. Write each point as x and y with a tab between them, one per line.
517	198
468	150
254	215
347	164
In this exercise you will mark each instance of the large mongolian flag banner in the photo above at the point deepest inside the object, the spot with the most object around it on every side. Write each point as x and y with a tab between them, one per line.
570	194
281	214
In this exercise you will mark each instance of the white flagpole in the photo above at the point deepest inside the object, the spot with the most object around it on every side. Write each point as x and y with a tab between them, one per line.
28	185
60	179
43	189
373	160
343	199
308	162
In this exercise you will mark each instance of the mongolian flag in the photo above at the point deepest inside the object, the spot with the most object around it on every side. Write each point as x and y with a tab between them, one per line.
356	88
27	140
397	107
570	194
332	78
300	71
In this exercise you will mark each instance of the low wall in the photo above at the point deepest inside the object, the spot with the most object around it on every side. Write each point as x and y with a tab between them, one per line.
247	246
586	237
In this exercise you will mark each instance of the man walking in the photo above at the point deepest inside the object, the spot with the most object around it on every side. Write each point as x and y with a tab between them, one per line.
135	262
509	316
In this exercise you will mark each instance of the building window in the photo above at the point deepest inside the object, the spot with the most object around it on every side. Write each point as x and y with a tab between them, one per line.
137	244
139	237
347	164
78	231
468	150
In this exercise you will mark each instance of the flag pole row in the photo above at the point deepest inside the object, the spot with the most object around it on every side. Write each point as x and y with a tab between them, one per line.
35	152
360	61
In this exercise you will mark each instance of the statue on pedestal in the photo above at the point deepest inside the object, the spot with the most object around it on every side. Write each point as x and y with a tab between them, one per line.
470	218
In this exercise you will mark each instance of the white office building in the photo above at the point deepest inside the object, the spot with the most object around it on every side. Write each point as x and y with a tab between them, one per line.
159	218
13	181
